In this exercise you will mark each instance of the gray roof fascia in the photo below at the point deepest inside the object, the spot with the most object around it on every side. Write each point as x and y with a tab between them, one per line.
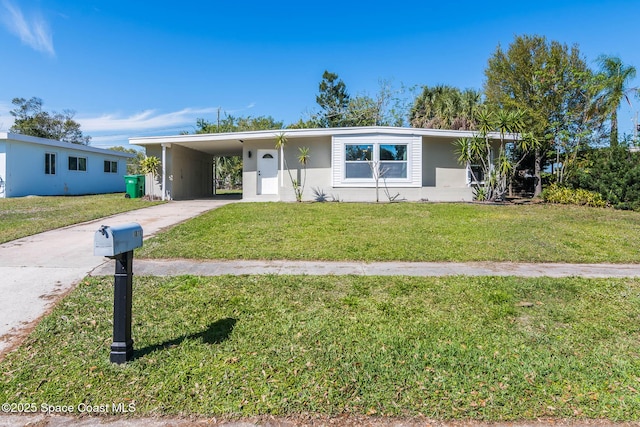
309	133
8	136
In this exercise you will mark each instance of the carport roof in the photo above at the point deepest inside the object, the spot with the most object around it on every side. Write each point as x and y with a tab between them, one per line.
227	144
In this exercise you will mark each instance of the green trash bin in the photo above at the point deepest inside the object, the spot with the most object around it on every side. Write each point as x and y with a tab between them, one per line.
134	186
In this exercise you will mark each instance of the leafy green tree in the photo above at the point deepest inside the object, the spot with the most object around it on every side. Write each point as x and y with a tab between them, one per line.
133	165
614	172
445	107
30	119
228	172
550	83
613	84
238	124
339	109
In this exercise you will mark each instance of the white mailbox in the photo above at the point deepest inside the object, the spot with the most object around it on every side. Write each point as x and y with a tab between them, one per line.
114	240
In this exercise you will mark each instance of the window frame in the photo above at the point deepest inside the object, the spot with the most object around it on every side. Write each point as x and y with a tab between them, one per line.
78	164
375	158
50	160
414	168
359	161
470	176
109	164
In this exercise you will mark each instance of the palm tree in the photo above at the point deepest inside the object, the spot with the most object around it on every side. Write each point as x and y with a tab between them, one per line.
445	107
613	81
303	158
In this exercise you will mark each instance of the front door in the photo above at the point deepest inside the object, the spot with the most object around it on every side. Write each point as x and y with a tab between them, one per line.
267	171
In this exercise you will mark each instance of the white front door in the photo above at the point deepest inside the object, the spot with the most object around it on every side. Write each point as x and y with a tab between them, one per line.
267	171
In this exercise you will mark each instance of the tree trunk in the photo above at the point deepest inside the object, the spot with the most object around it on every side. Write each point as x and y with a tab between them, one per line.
613	142
538	173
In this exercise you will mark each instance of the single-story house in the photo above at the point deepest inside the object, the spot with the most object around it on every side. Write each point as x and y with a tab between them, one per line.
417	164
44	167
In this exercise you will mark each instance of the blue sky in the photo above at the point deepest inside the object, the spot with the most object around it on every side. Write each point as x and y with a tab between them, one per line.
137	68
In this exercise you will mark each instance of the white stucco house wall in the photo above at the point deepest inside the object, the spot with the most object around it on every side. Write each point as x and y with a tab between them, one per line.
44	167
420	164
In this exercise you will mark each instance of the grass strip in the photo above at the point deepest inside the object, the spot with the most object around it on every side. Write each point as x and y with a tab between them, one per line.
445	348
404	232
25	216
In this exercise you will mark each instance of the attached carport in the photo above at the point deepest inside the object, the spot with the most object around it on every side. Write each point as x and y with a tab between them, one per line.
187	162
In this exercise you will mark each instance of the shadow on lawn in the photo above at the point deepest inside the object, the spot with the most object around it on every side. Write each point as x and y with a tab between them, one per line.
217	332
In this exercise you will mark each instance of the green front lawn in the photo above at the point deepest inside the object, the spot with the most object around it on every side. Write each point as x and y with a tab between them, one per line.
446	348
404	231
25	216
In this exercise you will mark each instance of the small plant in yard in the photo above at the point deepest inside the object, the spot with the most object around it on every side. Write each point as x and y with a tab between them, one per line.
303	159
379	172
564	195
150	165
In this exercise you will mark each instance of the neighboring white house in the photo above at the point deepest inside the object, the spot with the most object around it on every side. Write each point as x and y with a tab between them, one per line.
43	167
420	164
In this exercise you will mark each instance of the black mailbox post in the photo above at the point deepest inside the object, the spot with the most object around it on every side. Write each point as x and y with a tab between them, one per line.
118	243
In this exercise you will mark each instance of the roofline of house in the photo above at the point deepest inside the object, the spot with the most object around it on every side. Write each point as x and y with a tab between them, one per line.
8	136
309	133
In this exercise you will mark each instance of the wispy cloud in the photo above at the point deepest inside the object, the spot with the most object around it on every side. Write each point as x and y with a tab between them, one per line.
32	31
115	129
144	121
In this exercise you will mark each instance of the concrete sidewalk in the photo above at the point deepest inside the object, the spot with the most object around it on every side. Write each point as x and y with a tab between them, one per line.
36	270
172	267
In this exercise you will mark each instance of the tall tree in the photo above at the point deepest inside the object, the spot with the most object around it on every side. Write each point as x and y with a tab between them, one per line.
30	119
613	84
333	99
339	109
544	80
445	107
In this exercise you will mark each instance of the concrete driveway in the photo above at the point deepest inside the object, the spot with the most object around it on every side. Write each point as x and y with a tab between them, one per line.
36	270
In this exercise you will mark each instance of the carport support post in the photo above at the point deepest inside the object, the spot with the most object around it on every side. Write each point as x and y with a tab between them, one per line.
122	346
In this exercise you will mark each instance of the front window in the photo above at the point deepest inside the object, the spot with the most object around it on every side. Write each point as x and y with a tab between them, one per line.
393	161
390	159
77	163
357	160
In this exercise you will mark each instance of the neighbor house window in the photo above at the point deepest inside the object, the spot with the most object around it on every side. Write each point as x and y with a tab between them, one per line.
77	163
110	167
360	159
49	163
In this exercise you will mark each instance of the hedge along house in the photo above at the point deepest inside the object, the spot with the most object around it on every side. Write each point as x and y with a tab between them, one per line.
417	164
44	167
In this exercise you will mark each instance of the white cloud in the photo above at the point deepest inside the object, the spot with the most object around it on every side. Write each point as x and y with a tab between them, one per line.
33	32
115	129
148	120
